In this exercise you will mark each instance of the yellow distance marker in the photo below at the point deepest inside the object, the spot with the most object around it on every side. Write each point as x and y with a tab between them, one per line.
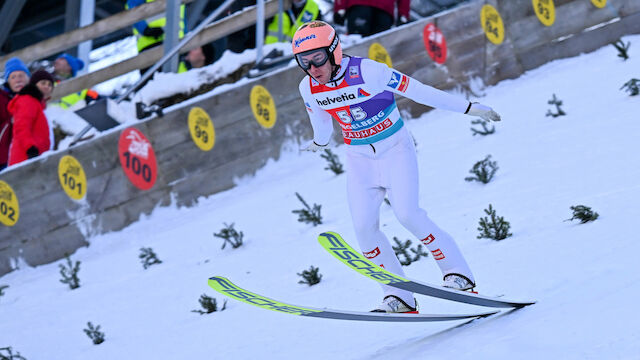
72	177
9	206
599	3
545	11
263	106
378	53
201	128
492	24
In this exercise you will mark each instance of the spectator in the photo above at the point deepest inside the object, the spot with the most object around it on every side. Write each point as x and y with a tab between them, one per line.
301	11
16	76
151	33
368	17
199	57
245	38
66	67
219	45
31	132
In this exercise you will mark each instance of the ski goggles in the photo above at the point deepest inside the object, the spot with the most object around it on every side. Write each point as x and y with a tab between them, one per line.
316	57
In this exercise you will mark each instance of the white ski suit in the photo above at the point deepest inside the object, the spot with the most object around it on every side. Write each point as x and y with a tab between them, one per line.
381	157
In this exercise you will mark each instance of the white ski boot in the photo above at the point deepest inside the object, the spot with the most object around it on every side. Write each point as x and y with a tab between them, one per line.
393	304
458	282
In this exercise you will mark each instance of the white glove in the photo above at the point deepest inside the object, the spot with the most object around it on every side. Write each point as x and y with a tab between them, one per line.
485	112
312	146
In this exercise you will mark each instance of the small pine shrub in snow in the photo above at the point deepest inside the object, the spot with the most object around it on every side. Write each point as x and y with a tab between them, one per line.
632	87
94	333
311	276
334	162
483	170
485	129
557	102
230	236
403	255
583	213
148	257
209	305
623	49
308	214
70	273
493	227
6	353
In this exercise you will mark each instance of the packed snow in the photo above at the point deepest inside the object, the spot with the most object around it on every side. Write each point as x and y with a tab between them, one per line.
584	277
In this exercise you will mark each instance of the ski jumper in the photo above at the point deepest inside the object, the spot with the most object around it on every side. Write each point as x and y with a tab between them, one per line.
381	157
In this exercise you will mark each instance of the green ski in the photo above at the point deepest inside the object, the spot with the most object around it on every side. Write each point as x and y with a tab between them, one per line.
333	243
226	287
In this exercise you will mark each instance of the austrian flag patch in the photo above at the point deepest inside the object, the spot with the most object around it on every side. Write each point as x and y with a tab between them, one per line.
404	83
398	81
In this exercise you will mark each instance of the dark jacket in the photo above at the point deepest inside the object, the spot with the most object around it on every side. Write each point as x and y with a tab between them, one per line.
5	126
386	5
30	125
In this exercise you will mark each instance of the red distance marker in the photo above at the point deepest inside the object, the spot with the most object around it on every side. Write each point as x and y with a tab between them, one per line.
435	43
137	158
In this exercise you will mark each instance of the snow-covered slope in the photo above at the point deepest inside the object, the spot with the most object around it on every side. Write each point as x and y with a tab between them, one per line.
585	277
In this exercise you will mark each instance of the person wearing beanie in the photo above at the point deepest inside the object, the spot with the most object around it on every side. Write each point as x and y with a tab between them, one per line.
16	76
67	66
31	131
44	81
199	57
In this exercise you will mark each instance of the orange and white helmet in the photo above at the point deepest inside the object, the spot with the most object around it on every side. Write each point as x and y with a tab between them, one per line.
317	35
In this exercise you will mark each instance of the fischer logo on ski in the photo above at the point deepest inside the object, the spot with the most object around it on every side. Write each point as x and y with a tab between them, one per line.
344	252
226	287
333	243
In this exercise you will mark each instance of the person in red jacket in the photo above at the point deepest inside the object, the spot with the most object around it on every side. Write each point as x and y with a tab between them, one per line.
368	17
16	76
31	132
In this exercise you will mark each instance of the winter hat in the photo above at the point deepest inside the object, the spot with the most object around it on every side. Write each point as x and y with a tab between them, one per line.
41	75
75	63
14	64
209	53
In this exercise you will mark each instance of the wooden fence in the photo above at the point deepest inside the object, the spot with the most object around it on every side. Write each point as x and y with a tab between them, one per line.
57	44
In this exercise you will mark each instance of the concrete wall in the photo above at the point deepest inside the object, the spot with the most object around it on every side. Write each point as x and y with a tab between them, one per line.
52	224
